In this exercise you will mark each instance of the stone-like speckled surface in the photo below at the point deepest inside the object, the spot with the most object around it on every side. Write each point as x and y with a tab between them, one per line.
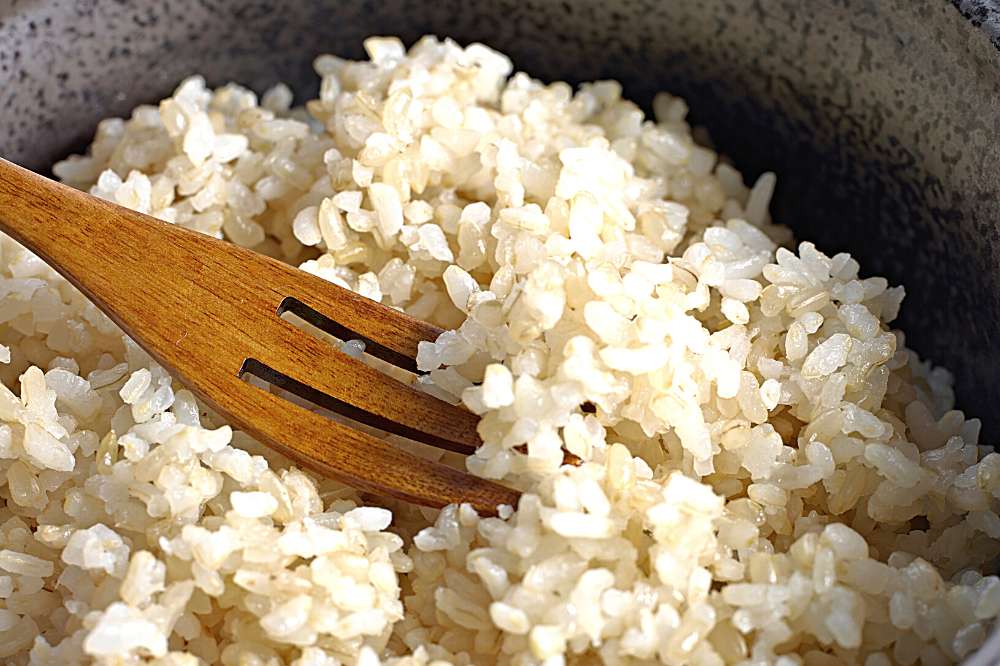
881	117
984	14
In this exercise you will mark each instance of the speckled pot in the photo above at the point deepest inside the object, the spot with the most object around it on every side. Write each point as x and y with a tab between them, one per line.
881	117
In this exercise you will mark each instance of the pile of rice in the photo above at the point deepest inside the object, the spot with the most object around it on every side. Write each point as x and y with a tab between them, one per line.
769	476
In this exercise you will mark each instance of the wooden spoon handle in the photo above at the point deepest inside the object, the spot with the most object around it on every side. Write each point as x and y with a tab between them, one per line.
202	307
86	246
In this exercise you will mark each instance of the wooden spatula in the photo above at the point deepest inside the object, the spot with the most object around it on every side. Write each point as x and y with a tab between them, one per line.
209	312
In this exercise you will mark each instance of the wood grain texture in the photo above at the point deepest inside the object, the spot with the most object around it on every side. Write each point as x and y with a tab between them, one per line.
201	307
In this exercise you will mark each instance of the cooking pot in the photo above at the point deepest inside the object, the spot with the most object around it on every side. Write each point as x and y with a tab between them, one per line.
880	117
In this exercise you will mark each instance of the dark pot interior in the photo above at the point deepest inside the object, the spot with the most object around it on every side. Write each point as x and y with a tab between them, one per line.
880	118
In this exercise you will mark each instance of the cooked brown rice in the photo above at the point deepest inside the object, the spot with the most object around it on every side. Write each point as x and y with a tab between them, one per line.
770	476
